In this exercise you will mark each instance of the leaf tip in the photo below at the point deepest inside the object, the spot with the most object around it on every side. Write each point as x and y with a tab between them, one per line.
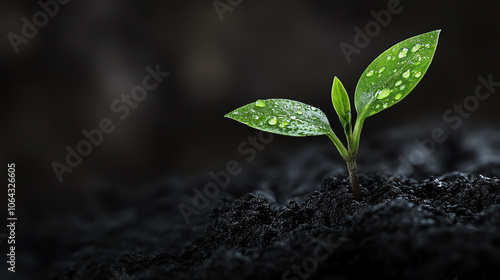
437	31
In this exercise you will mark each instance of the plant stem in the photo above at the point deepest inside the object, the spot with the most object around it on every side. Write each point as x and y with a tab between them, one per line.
352	168
356	134
350	153
343	151
353	176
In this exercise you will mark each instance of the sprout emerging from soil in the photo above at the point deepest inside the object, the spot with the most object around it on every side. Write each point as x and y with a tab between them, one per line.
385	82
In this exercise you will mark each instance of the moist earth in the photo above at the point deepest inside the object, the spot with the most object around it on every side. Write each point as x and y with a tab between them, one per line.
292	216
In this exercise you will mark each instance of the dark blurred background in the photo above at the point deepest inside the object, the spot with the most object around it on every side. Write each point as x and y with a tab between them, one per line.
64	79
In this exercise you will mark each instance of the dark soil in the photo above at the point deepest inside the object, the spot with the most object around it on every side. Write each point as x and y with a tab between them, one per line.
292	216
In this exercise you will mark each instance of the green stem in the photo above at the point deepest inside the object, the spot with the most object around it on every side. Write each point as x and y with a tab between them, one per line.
356	135
348	133
336	141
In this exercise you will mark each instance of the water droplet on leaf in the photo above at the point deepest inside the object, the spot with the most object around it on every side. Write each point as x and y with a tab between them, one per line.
273	121
418	74
406	74
398	82
260	103
369	73
416	47
403	53
383	93
284	123
402	87
398	96
299	112
381	70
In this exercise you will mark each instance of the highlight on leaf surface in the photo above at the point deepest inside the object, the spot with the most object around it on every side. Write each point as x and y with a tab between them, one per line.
394	74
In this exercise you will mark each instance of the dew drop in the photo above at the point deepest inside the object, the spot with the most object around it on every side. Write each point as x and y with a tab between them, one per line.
369	73
398	96
260	103
418	74
385	105
402	87
378	106
381	70
299	112
403	53
416	48
398	82
284	123
273	121
406	74
383	93
389	57
293	117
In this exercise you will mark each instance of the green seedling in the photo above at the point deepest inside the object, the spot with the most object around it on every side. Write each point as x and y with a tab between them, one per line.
385	82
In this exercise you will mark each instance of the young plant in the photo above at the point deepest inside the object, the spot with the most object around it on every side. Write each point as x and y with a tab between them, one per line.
386	81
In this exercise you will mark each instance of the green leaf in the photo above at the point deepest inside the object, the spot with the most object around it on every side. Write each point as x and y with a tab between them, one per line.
283	116
394	74
341	103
